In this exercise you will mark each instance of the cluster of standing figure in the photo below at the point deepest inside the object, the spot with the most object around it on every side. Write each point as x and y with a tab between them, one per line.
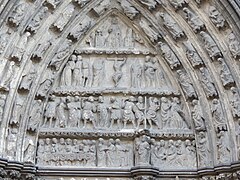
115	112
74	152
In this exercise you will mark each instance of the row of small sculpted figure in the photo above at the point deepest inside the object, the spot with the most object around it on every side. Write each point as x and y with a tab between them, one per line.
73	152
106	112
115	153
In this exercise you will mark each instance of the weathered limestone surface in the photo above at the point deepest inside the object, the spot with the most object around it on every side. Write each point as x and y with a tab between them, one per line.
119	90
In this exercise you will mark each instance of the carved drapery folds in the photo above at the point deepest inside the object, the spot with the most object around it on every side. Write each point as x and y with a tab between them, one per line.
144	89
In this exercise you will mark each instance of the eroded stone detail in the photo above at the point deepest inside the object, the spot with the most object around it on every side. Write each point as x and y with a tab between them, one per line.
216	17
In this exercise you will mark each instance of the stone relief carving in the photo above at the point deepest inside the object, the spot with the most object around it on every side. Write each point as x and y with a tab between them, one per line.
41	49
207	83
29	151
11	143
82	3
174	29
149	30
186	84
61	54
128	8
218	116
235	102
52	4
169	55
36	21
20	47
7	76
225	74
193	20
17	111
117	66
143	150
197	116
210	45
216	17
234	45
151	4
224	153
178	4
27	79
3	98
64	17
35	116
45	85
18	14
4	39
81	28
84	152
192	55
102	7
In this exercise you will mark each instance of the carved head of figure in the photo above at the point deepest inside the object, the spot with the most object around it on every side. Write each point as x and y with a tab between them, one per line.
176	100
112	99
187	142
118	142
75	141
131	99
93	142
68	141
91	99
41	142
154	60
231	37
194	102
100	99
162	143
148	58
164	99
234	90
54	141
79	58
140	99
27	34
73	57
111	141
201	135
48	141
170	143
77	99
178	143
215	101
62	141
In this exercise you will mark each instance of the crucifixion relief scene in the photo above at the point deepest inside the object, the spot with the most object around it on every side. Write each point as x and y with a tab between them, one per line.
119	90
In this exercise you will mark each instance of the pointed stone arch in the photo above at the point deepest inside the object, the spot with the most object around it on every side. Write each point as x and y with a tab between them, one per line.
197	55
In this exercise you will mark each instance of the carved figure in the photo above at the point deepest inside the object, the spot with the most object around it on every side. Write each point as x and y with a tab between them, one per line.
16	112
114	38
149	30
41	49
225	73
20	47
102	7
86	74
136	75
35	116
151	4
143	146
122	152
61	54
11	144
7	78
192	54
2	104
166	112
128	8
197	116
139	109
53	3
27	79
102	148
218	117
110	153
64	17
178	120
177	4
44	88
172	26
116	112
210	45
4	39
18	14
193	20
224	152
207	83
88	109
81	28
102	109
77	72
235	102
129	39
98	72
128	115
82	3
35	23
66	78
234	45
61	119
186	84
74	108
169	55
50	112
216	17
29	151
203	150
150	70
151	114
117	66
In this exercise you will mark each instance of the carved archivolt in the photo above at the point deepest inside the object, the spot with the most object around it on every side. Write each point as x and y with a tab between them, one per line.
133	87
